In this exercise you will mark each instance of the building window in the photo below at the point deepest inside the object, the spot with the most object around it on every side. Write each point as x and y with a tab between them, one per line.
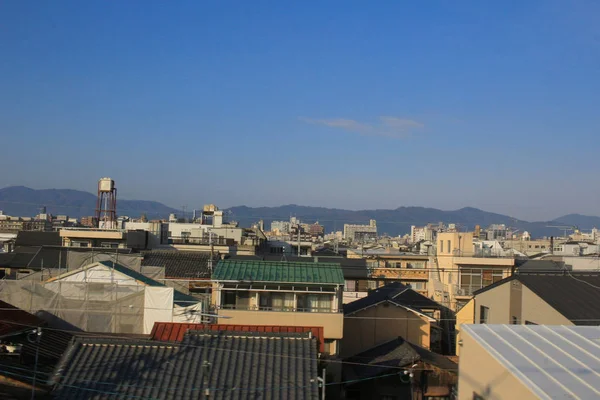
276	301
415	285
475	279
228	299
449	247
350	286
416	265
441	246
484	313
314	302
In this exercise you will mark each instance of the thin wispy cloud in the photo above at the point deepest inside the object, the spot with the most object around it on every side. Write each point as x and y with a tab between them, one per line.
385	126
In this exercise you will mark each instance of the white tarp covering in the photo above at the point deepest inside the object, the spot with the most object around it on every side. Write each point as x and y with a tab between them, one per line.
158	306
189	314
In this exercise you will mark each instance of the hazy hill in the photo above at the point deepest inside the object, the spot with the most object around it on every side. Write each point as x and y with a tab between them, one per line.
399	221
23	201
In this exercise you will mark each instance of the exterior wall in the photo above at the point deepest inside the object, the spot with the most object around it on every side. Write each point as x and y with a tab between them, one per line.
332	323
578	263
465	315
529	246
177	228
512	302
479	372
379	324
90	234
497	300
539	312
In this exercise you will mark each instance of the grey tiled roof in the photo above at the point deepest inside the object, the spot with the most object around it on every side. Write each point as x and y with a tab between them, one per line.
573	294
241	365
180	264
395	292
395	353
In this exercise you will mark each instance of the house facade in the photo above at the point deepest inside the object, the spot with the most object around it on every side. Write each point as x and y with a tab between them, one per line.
568	298
254	292
389	312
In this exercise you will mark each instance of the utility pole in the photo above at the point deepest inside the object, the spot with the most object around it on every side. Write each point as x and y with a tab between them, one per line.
298	239
210	260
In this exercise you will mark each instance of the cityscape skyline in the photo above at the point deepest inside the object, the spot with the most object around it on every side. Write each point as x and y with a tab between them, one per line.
350	105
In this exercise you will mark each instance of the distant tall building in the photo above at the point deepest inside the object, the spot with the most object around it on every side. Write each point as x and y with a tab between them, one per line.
361	232
314	229
283	227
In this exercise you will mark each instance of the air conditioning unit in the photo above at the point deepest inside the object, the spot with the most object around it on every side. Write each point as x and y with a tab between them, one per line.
459	292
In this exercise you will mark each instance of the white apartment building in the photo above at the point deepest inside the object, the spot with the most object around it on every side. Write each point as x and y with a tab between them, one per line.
360	232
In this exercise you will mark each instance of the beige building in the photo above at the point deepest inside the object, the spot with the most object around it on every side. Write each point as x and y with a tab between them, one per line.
390	265
460	271
530	299
361	233
249	292
530	247
387	313
526	362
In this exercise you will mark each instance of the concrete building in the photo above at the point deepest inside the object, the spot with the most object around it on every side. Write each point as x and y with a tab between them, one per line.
158	232
506	362
10	224
105	238
428	232
281	293
531	247
361	233
459	270
390	265
280	227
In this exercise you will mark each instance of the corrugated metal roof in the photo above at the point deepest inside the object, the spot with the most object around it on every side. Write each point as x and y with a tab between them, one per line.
239	367
175	331
278	271
552	361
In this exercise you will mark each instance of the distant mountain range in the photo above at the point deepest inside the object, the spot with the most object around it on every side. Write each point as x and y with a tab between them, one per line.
399	221
23	201
26	202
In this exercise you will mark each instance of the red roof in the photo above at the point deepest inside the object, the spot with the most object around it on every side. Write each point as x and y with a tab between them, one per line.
174	331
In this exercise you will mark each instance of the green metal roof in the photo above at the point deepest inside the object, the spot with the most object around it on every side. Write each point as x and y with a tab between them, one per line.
278	271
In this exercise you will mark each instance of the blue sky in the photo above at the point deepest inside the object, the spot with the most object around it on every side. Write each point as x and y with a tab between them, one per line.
347	104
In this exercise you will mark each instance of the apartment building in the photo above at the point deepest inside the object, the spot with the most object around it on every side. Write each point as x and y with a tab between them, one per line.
361	233
460	270
255	292
391	265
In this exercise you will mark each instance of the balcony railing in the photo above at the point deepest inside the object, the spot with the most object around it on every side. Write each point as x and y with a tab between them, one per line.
479	253
203	241
280	309
402	273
